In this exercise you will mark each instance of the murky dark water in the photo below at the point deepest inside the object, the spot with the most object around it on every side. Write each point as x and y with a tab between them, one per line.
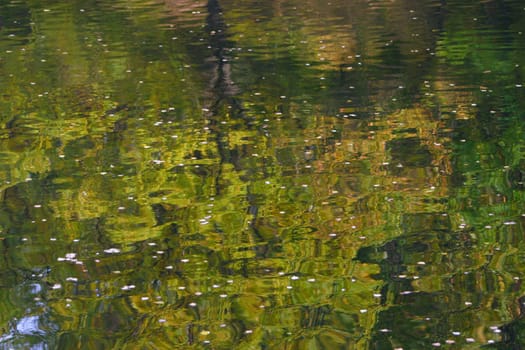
250	174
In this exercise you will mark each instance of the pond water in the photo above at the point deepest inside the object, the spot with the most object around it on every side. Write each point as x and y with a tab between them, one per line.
249	174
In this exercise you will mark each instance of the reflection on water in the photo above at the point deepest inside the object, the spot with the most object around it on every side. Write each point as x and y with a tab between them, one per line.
270	175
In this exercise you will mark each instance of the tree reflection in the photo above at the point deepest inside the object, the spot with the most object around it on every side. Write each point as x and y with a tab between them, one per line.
279	174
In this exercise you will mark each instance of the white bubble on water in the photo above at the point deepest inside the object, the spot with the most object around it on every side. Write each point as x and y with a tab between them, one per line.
112	251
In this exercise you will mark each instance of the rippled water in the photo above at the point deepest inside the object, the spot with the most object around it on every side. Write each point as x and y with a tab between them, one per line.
262	174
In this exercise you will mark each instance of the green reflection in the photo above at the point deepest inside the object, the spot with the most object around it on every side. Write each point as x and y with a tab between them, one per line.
277	175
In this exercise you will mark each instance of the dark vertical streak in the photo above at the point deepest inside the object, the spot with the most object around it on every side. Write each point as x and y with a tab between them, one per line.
216	29
223	92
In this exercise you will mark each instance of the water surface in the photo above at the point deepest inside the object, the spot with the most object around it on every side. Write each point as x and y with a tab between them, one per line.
250	174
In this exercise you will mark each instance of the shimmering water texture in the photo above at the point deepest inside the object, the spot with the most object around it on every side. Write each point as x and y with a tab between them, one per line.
272	174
